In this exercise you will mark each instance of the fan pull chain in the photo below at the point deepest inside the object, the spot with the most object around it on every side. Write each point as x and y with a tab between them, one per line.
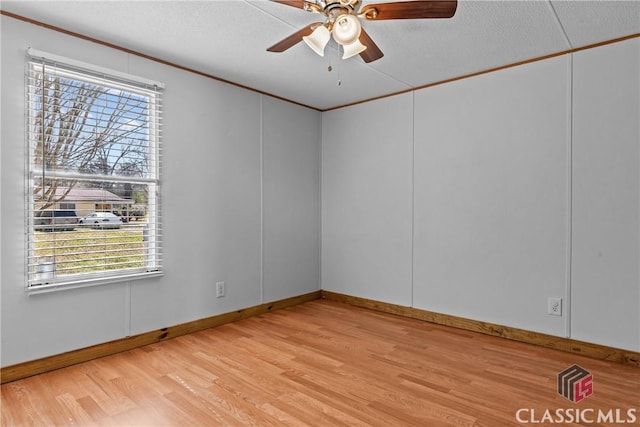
339	73
330	69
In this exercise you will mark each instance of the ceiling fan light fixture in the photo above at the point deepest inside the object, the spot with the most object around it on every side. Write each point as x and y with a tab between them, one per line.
346	29
342	21
318	39
352	49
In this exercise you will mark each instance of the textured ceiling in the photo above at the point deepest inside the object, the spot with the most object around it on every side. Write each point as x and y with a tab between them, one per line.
228	39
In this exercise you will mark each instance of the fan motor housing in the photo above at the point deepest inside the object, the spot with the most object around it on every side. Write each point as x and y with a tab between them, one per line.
339	7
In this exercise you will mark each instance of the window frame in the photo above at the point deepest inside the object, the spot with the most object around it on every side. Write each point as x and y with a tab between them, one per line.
36	281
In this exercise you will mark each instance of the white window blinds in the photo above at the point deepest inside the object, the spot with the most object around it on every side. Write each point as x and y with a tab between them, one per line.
93	199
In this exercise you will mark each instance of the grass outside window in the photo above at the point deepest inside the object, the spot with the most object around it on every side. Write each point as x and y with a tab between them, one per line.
86	250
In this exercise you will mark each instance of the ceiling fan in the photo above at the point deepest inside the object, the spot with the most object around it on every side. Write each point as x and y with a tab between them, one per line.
342	21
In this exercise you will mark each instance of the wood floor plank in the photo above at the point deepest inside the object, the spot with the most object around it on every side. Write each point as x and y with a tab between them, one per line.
321	363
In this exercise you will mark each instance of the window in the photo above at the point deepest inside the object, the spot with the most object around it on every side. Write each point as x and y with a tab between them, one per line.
93	204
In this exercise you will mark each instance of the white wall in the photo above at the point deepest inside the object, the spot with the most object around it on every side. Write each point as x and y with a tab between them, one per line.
366	200
491	209
238	167
605	290
291	194
462	199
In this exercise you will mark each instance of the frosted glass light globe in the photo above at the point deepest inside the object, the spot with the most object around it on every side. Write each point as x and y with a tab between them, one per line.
318	39
346	29
352	49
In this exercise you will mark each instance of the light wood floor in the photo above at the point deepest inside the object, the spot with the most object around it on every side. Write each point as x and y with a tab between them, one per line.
321	364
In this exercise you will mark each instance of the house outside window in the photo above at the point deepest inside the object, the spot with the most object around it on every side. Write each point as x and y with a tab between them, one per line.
93	205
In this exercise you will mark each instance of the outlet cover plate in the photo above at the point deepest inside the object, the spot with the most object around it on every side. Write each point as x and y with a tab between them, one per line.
554	306
220	290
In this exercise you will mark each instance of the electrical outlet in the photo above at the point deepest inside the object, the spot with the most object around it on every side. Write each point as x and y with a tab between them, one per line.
554	306
220	290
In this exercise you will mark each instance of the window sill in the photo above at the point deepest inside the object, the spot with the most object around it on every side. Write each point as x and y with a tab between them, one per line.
63	286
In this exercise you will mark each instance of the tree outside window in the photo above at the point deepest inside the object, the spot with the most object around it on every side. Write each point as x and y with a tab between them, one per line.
93	147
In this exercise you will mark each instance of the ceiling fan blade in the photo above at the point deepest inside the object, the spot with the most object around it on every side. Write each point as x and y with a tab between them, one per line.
419	9
293	39
372	52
